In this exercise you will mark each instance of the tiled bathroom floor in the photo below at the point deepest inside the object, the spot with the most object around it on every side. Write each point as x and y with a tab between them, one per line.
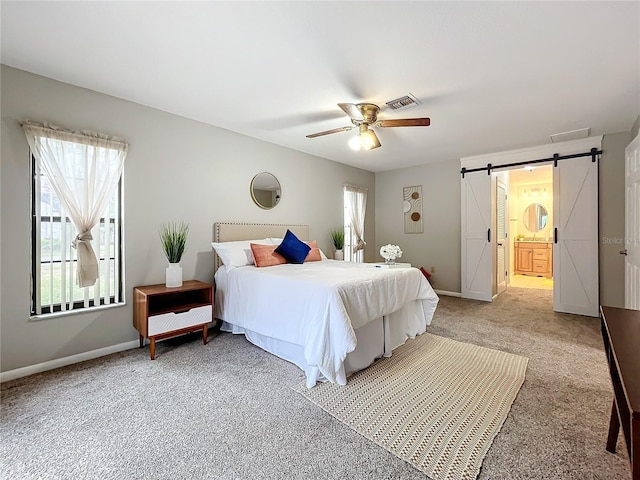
526	281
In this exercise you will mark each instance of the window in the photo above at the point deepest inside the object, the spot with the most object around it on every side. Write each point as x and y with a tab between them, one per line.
349	235
76	230
54	260
349	243
355	201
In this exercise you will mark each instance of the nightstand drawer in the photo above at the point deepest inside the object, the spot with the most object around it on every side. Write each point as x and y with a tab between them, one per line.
168	322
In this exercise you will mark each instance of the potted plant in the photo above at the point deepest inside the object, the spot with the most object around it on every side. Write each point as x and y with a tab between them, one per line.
174	239
337	238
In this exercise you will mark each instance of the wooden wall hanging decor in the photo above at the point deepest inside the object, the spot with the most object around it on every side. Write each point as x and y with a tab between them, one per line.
412	207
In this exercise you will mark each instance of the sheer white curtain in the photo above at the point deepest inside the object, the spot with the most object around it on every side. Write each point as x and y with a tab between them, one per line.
357	208
83	169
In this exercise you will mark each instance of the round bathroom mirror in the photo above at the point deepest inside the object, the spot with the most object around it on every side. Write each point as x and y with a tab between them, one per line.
535	217
265	190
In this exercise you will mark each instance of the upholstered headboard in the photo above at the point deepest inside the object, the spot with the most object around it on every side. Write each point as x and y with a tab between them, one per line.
231	231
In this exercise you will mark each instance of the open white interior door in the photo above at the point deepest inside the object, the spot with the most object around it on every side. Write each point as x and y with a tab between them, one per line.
501	238
632	226
575	248
477	257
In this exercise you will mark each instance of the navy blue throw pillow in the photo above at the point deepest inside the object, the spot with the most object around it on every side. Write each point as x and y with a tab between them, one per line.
293	249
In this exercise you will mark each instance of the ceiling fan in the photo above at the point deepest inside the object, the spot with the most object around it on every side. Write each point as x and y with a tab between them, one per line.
365	115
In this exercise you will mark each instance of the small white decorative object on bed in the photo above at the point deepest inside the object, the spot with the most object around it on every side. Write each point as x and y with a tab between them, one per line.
330	318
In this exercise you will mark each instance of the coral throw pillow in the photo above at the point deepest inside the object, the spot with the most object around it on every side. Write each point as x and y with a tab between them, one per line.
314	253
266	256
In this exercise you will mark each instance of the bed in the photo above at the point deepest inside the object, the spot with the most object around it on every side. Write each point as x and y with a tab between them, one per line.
330	318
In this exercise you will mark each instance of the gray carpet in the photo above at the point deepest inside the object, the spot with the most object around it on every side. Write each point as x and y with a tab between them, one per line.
227	410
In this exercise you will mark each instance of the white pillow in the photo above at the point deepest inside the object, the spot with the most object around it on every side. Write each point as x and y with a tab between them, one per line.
237	254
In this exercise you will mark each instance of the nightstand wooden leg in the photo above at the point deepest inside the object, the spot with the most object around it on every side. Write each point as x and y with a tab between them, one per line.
204	335
141	340
152	348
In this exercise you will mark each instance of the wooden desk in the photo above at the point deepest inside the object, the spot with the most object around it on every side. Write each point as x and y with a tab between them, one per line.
621	335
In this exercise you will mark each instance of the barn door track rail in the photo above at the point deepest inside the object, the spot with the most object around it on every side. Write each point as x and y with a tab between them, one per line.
593	154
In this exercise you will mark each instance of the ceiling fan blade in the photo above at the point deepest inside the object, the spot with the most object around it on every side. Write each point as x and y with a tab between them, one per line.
352	110
327	132
405	122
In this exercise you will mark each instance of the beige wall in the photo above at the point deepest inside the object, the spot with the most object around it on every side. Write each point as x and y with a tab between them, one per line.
439	245
176	170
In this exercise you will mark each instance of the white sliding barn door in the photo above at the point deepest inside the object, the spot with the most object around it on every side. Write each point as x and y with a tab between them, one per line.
477	258
632	225
575	248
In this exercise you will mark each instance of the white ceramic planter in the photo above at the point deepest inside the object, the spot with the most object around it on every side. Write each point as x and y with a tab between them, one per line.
173	275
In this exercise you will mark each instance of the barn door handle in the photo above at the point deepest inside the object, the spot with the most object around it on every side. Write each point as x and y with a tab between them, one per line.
555	235
488	235
623	252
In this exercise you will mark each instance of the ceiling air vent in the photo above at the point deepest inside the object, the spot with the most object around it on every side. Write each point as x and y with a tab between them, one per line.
407	101
571	135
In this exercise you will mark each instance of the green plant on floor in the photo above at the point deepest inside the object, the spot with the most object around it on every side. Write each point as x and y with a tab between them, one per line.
337	238
174	238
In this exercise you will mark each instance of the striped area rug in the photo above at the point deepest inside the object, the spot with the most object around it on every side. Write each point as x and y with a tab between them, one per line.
436	403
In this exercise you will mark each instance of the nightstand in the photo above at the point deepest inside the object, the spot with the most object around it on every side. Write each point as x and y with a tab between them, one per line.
391	265
161	312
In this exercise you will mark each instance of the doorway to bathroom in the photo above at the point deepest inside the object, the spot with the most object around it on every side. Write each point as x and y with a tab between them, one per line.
528	227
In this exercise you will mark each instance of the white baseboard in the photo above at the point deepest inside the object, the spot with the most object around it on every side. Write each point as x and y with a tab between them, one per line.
63	362
449	294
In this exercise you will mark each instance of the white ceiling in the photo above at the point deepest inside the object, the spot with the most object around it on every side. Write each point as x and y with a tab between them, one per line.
492	76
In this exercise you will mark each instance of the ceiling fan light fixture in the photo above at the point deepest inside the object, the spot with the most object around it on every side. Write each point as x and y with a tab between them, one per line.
368	139
365	140
355	143
365	115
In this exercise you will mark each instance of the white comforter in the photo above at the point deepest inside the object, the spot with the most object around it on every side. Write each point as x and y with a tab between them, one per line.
318	305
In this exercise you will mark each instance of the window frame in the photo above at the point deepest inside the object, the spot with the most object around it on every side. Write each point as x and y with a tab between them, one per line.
82	305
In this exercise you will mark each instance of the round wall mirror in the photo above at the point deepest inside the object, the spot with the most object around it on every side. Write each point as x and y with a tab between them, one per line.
535	217
265	190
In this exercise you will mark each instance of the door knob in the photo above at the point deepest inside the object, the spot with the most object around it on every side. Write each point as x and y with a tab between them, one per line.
623	252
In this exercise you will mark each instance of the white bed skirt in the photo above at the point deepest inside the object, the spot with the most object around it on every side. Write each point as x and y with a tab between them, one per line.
374	340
